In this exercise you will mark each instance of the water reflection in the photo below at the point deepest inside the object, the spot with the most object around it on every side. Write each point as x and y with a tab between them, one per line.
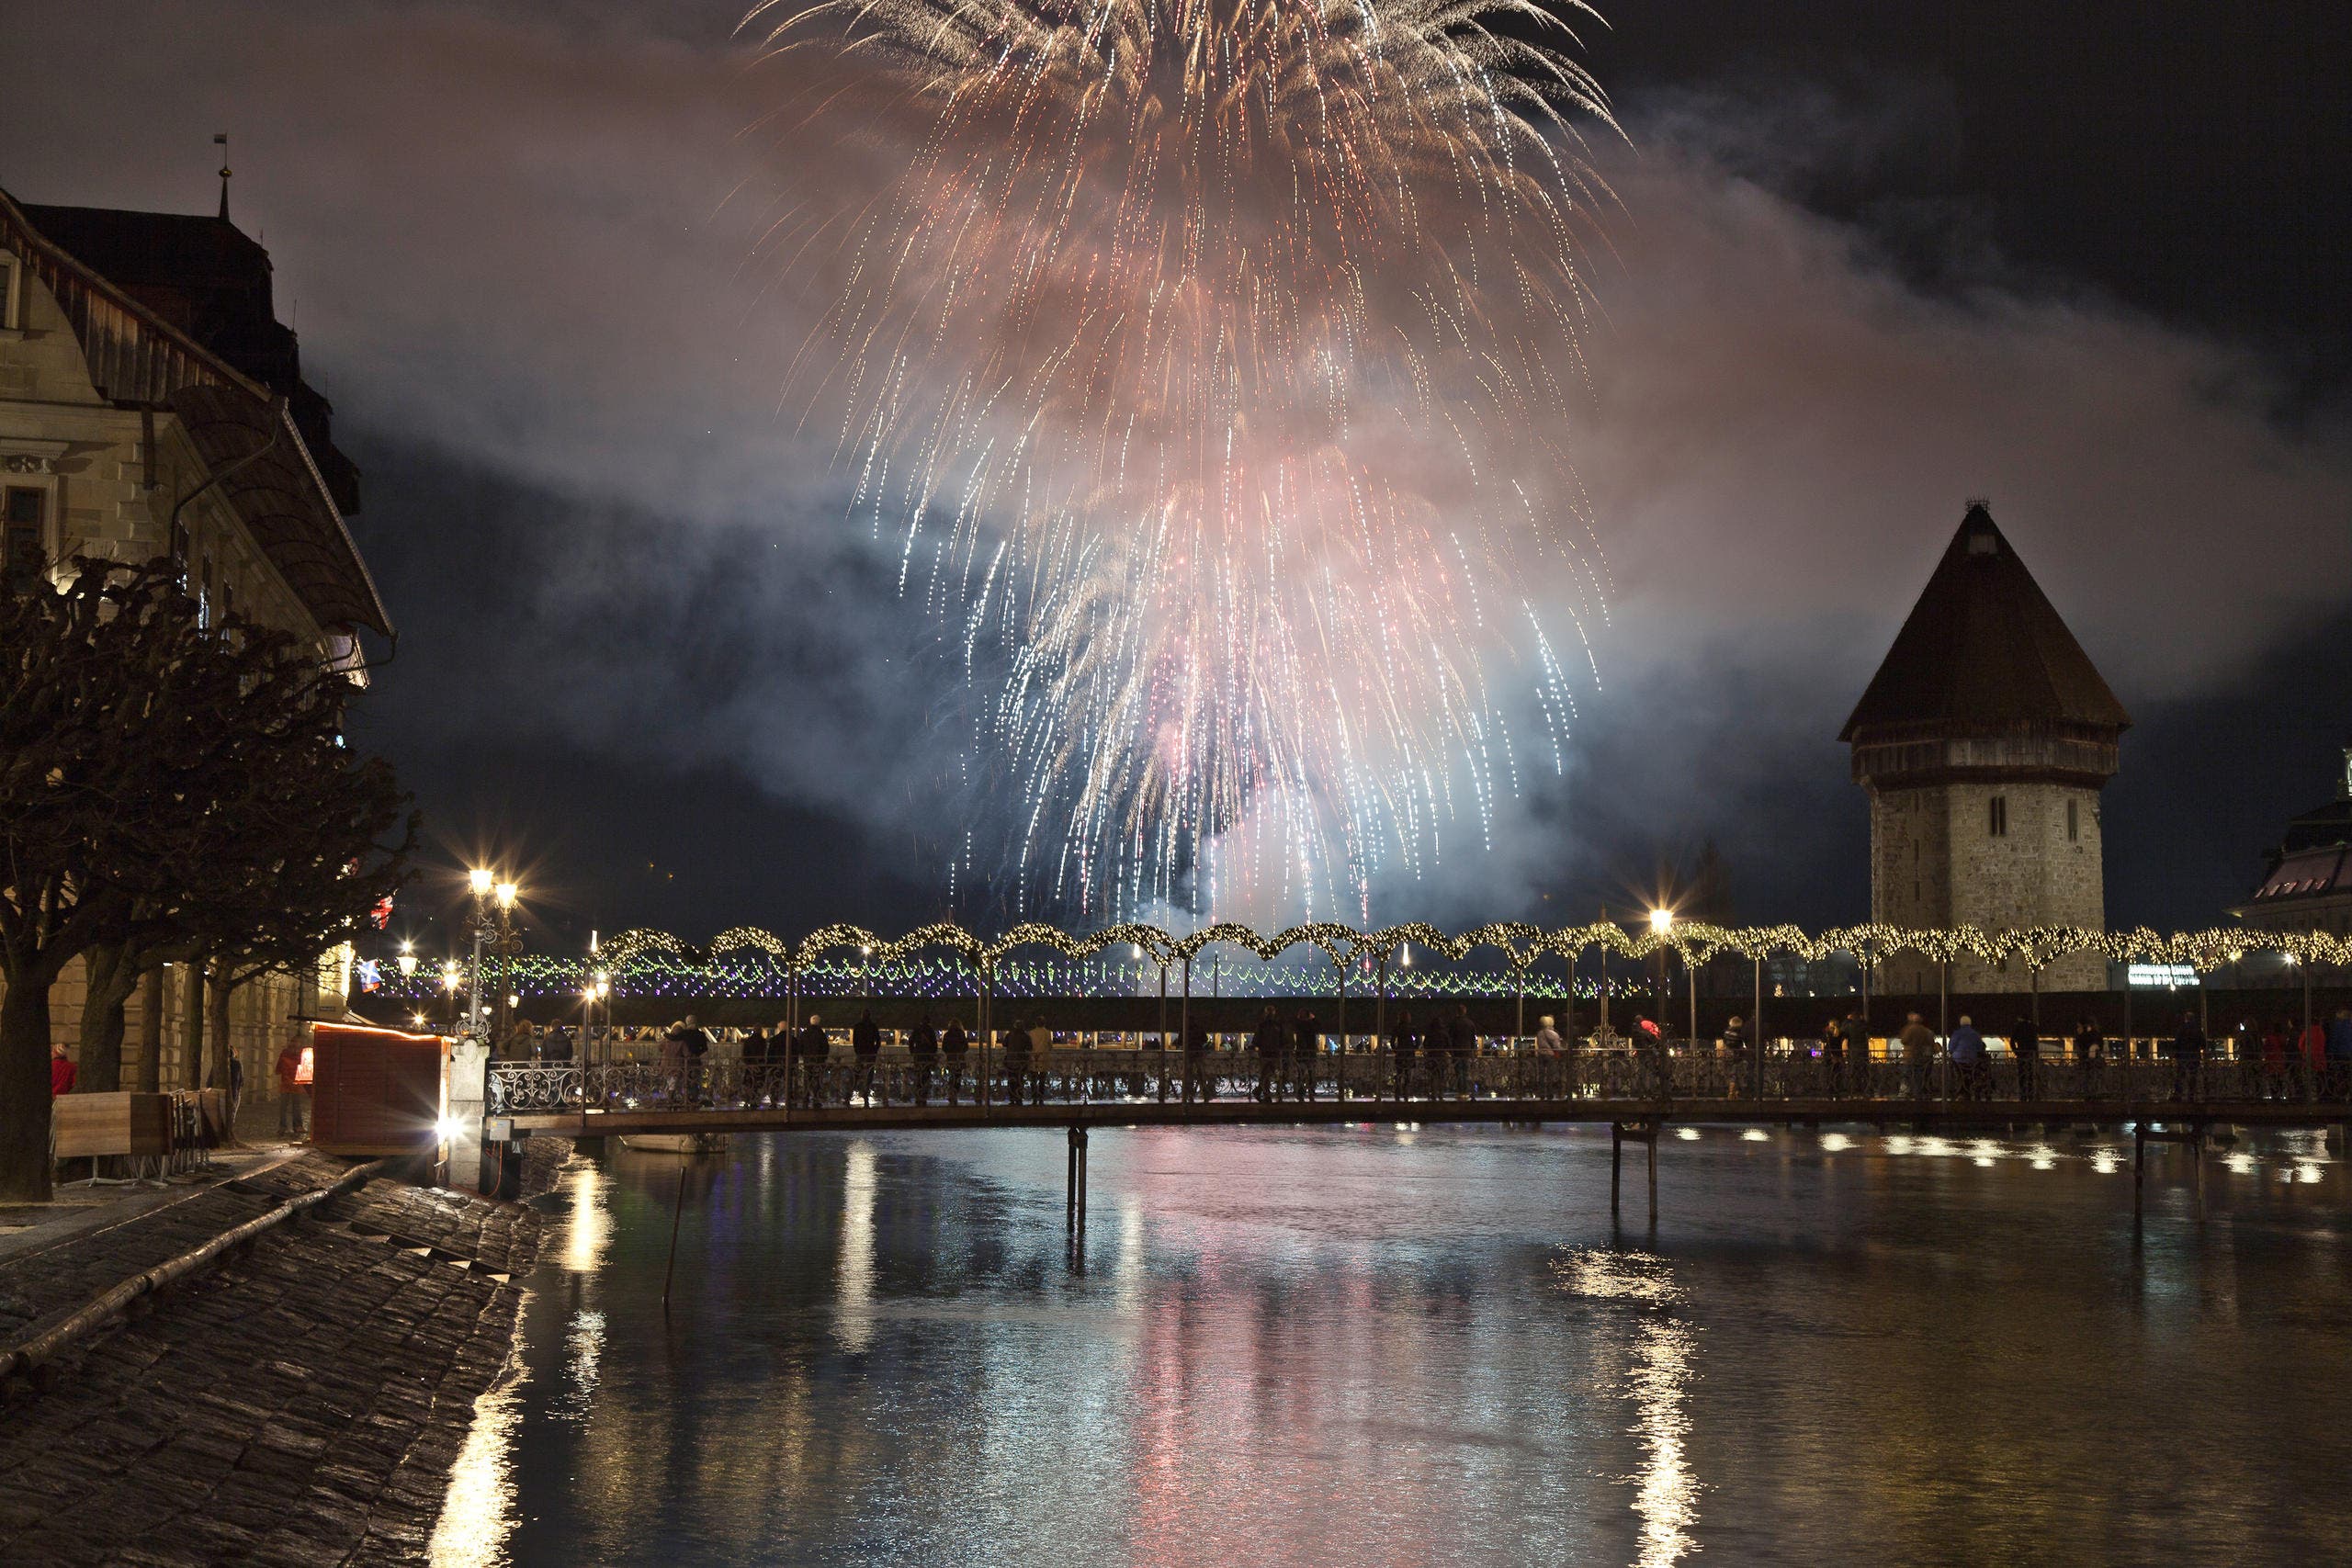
478	1512
1332	1347
853	1276
589	1228
1666	1495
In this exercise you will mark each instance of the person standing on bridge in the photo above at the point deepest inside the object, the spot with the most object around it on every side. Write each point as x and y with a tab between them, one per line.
1268	1040
1966	1049
953	1046
923	1051
2276	1042
1462	1051
865	1048
1307	1048
2025	1044
1196	1064
673	1059
2310	1065
2186	1049
1857	1033
2090	1055
1736	1053
1918	1044
1016	1061
1550	1053
1402	1043
810	1049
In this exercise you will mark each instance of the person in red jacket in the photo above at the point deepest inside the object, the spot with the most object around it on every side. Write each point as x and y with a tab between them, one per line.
293	1090
2313	1067
60	1071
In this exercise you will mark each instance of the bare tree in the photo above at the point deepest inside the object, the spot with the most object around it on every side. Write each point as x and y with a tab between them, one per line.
167	790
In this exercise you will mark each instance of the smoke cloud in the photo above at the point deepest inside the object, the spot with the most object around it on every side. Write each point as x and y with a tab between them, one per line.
520	248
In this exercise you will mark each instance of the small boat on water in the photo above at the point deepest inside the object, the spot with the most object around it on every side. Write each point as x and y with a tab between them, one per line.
676	1142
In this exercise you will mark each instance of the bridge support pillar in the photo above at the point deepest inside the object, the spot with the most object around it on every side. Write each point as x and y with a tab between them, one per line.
1075	1211
1640	1132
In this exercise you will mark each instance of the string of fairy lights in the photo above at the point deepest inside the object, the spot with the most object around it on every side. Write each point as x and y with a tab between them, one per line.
946	960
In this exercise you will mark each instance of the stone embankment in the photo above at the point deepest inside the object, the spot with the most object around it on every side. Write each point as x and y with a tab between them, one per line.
302	1401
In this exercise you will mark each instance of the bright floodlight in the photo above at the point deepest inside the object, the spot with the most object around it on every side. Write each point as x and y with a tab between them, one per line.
479	879
506	892
408	963
1661	921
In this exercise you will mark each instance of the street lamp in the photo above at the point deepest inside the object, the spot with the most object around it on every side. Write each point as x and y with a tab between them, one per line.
491	892
1661	922
408	961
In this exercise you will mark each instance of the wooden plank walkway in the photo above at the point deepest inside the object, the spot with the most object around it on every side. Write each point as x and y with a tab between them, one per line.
1150	1113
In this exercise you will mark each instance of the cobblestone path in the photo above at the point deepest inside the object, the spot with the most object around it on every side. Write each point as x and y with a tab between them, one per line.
301	1404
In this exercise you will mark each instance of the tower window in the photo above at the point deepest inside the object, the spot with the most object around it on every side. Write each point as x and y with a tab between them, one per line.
2074	821
1998	816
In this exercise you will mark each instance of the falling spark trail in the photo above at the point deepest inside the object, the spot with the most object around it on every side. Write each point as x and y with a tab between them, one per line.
1219	346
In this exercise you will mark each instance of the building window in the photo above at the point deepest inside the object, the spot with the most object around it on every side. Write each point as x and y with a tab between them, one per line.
24	512
1998	816
2074	821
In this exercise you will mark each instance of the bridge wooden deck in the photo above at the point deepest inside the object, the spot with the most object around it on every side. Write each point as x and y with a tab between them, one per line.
1907	1114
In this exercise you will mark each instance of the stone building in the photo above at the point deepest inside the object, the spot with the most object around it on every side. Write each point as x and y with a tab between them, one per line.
2307	884
151	404
1984	741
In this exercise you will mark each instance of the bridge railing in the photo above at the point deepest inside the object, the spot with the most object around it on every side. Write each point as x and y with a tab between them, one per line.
1632	1078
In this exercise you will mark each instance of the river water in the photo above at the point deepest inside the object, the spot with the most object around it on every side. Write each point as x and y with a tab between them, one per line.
1386	1344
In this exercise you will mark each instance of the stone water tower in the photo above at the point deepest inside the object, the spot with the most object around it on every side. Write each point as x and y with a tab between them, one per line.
1984	741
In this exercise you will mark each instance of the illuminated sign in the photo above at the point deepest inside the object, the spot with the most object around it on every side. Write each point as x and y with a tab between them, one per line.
2160	977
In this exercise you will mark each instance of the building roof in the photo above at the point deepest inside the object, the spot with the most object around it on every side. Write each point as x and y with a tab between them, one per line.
2311	873
146	341
206	277
1983	651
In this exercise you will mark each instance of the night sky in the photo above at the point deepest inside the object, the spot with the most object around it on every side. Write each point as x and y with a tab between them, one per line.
2090	261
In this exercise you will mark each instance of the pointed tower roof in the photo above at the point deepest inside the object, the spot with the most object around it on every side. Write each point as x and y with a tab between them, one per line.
1982	651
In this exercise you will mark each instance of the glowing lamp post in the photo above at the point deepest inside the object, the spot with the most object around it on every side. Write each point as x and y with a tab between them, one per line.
1661	923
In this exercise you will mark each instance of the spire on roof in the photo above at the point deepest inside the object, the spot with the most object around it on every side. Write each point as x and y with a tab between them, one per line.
220	139
1983	649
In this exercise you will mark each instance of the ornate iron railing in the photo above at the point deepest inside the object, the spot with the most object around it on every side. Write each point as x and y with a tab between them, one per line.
1604	1077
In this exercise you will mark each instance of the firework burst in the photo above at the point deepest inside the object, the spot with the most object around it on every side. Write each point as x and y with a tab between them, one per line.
1208	365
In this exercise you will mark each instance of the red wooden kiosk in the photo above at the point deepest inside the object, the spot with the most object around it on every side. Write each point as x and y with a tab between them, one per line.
375	1091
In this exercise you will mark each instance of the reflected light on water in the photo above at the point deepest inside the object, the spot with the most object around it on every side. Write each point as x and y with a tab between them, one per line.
1666	1495
853	1276
1754	1135
1835	1142
584	1348
478	1513
1665	1492
591	1229
2044	1157
1688	1135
